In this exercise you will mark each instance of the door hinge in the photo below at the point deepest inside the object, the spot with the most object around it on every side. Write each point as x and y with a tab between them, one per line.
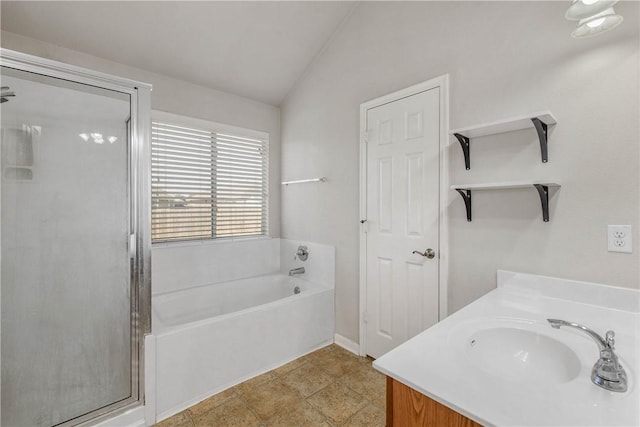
365	137
365	317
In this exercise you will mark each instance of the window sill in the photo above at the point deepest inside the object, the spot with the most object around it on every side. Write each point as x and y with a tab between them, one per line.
208	242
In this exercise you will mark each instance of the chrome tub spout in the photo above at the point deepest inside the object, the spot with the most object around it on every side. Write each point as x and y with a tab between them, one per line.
294	271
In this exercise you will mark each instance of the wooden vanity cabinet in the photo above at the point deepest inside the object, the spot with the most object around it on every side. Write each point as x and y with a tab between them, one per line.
407	407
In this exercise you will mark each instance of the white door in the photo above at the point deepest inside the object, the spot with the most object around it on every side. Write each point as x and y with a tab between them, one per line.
402	213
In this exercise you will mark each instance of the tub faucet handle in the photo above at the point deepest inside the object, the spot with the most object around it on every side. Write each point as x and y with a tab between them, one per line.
302	253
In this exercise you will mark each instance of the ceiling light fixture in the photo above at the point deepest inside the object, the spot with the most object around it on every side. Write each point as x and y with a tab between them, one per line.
581	9
594	16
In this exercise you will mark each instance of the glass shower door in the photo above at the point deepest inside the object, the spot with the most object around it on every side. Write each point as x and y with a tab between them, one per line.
66	268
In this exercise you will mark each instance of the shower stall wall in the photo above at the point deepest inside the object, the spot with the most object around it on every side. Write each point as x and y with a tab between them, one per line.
74	242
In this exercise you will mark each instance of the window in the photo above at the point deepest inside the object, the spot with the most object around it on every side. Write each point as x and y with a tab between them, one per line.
208	181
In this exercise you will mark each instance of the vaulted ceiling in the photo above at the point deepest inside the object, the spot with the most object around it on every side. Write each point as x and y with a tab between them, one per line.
255	49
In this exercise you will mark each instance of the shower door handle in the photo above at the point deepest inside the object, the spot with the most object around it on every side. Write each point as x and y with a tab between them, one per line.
132	245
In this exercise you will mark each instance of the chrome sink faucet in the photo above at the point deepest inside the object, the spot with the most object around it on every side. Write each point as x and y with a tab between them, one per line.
294	271
607	372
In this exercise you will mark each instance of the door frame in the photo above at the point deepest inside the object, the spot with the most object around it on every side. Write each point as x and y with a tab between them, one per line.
441	82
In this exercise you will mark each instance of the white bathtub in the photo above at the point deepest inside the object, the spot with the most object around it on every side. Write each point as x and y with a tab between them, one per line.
212	337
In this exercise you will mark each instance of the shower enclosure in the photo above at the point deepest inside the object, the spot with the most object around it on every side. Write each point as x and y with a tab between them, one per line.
74	243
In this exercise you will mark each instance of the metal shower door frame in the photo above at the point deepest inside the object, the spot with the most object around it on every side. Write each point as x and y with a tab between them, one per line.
140	214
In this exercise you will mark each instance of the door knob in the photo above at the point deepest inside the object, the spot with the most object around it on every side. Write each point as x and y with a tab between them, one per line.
429	253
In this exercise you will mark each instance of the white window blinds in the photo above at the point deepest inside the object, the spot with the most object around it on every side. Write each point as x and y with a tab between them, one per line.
206	183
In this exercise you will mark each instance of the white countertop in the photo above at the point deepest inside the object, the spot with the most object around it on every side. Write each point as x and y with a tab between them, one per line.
439	364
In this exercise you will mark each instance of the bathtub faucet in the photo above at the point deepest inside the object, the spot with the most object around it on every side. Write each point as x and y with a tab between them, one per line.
294	271
607	372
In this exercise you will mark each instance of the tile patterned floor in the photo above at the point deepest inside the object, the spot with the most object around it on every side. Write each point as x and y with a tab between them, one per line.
329	387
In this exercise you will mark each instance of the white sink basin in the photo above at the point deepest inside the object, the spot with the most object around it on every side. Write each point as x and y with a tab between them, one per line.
522	355
499	362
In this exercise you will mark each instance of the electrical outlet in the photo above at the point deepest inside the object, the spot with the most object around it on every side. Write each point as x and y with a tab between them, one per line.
619	238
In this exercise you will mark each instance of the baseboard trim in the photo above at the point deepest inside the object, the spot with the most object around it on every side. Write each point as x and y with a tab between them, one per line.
347	344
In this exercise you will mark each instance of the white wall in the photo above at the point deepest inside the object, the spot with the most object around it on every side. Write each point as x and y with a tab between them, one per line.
179	97
504	59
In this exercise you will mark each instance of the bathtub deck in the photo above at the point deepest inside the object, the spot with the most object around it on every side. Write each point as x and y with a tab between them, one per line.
329	387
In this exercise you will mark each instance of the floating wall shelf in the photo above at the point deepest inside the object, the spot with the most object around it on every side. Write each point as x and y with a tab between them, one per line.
542	187
539	121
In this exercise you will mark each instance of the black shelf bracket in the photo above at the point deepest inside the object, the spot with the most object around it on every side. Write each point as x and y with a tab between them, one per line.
541	128
466	196
543	191
464	143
